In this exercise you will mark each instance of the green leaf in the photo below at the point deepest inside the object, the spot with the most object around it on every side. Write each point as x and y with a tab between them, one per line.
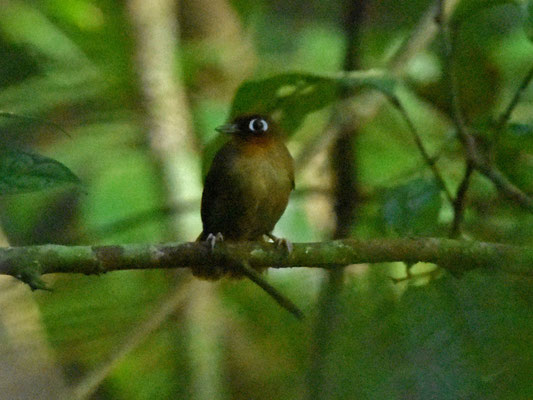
373	78
24	23
518	136
468	8
22	172
520	131
528	23
412	208
8	114
514	149
292	96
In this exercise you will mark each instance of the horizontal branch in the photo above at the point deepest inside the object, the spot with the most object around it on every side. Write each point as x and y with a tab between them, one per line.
28	263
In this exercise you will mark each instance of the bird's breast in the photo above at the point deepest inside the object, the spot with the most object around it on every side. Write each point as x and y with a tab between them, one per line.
266	182
247	189
264	177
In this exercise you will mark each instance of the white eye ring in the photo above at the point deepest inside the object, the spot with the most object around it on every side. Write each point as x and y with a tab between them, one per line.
252	128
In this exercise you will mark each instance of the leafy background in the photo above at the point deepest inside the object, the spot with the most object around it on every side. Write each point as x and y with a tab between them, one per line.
72	94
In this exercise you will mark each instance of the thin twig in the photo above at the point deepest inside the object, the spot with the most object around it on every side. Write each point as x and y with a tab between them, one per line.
8	114
449	38
419	39
478	160
504	118
506	115
505	186
430	161
257	278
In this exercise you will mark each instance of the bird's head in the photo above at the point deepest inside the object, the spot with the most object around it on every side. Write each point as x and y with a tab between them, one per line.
249	126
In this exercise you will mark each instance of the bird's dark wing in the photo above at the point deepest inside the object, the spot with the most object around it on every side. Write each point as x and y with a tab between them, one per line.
221	199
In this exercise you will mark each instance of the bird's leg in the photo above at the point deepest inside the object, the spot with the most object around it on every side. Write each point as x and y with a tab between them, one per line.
213	239
281	242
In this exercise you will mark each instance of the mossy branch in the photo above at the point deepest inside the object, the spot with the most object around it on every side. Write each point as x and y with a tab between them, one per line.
457	256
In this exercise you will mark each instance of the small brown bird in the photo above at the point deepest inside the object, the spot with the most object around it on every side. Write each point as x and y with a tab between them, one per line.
248	184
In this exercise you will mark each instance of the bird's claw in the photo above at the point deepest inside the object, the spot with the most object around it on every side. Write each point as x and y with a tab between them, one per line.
213	239
210	272
286	243
282	242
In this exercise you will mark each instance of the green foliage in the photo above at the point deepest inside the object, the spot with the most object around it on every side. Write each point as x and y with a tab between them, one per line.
468	8
528	24
74	63
514	148
448	340
22	172
412	208
519	136
294	95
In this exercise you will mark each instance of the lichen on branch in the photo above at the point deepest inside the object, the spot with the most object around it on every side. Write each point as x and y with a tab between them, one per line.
454	255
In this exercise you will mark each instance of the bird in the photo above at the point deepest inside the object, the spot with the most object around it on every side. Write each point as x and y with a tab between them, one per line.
247	187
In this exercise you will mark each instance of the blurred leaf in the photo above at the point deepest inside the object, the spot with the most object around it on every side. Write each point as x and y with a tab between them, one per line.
320	48
412	208
467	8
521	135
26	24
478	77
16	64
22	172
528	23
514	154
83	14
294	95
44	92
7	114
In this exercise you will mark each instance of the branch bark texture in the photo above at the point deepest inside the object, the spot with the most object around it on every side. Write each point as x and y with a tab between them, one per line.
28	263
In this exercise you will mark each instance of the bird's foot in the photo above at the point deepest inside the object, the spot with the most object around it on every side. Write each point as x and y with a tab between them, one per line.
211	272
213	239
282	242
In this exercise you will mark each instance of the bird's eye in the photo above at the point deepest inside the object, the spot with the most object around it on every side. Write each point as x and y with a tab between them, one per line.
258	125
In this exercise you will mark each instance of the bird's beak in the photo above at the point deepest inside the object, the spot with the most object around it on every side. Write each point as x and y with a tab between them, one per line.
227	128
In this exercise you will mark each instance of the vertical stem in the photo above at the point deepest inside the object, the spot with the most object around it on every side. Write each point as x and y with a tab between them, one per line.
346	195
449	37
205	336
156	25
459	202
346	188
343	157
320	385
168	120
